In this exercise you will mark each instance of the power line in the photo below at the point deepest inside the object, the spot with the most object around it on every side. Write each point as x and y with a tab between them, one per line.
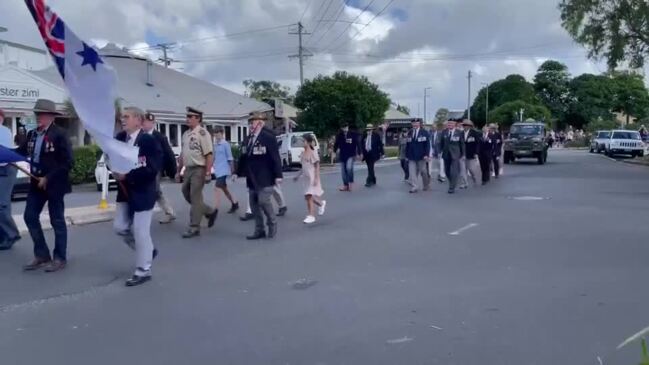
368	24
331	24
348	26
315	29
224	57
308	4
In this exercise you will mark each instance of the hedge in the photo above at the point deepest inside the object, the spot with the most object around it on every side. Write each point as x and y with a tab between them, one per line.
84	163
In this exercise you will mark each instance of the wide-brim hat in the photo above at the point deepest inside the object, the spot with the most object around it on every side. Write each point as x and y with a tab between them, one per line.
468	123
44	106
257	116
493	125
369	126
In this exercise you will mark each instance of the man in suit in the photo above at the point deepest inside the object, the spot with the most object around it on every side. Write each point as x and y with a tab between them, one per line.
485	154
497	140
50	154
168	166
436	153
472	145
197	157
346	146
137	194
372	151
403	159
8	231
261	165
452	147
417	153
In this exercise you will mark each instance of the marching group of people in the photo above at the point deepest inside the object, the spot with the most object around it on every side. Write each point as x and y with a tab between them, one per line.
460	153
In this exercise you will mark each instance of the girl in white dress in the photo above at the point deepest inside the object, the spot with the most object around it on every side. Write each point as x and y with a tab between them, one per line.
311	171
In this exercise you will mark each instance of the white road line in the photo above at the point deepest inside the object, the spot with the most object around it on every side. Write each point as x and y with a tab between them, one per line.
468	226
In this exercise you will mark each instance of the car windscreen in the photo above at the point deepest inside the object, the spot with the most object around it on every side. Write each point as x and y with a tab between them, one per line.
526	130
626	135
297	141
604	135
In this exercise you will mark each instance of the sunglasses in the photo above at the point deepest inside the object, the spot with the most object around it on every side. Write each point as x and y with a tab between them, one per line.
192	116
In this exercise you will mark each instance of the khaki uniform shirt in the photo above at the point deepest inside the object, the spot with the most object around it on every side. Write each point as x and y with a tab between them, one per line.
197	144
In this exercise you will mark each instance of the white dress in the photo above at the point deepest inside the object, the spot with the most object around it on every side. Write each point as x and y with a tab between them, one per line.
308	170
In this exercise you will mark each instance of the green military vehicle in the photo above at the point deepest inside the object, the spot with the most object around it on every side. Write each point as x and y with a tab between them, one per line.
526	140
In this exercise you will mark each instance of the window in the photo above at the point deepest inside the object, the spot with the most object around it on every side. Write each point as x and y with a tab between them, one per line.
239	137
228	133
162	128
173	135
626	135
526	130
604	135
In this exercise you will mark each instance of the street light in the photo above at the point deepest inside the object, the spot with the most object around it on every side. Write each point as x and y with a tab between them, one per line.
425	96
486	118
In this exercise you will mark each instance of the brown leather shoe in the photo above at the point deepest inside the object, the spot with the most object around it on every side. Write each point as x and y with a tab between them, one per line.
36	264
55	266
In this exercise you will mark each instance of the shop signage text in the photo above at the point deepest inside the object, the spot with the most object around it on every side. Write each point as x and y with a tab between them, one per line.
19	92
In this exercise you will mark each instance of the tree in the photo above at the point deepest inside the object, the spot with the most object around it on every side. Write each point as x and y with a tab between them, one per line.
614	30
328	101
404	109
630	95
441	115
266	89
551	84
507	113
513	87
592	98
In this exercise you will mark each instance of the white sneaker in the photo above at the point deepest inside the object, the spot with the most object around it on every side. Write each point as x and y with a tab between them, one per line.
309	219
321	208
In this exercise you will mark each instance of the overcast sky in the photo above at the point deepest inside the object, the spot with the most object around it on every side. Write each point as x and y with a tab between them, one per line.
411	45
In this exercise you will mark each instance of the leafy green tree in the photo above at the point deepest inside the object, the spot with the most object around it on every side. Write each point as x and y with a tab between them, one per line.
265	89
551	84
630	95
507	113
512	88
328	101
615	30
404	109
592	99
441	115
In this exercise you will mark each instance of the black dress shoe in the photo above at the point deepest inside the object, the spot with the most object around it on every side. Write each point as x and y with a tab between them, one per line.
56	265
212	218
246	217
234	208
451	191
256	236
155	253
282	211
191	233
36	264
272	231
137	280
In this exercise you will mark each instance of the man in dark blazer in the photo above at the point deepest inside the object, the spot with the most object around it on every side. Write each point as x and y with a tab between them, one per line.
471	165
261	165
50	154
452	147
436	153
169	166
497	139
372	147
485	154
417	153
347	147
137	194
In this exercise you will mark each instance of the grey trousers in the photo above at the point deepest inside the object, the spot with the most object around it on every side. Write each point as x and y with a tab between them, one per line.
278	196
260	204
416	169
136	231
452	167
162	201
8	229
472	168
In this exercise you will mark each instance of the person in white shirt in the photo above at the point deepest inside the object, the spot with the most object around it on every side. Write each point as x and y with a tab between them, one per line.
8	230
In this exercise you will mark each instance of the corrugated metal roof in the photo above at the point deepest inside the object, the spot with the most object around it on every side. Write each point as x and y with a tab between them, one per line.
392	114
171	92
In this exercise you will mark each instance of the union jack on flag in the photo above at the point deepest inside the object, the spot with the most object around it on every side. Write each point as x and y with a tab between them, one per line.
90	82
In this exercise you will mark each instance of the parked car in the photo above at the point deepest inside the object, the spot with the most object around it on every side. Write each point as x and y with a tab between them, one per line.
598	142
526	140
21	187
100	170
291	146
624	142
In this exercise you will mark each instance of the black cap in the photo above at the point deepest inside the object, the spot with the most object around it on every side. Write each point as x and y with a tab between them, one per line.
149	116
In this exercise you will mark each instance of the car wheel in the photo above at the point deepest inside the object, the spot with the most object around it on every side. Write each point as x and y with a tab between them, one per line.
592	150
539	158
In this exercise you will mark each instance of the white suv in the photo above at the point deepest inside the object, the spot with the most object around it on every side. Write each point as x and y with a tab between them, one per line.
598	143
624	142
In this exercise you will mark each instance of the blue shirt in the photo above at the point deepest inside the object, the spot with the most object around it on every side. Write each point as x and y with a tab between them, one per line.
40	135
222	158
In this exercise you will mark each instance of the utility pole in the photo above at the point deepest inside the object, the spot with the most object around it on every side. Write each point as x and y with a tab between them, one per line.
486	116
165	59
301	51
425	97
468	105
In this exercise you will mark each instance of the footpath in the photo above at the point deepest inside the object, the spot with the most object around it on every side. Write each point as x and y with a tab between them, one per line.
73	217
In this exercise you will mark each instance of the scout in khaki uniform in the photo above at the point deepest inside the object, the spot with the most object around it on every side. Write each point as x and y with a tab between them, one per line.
197	158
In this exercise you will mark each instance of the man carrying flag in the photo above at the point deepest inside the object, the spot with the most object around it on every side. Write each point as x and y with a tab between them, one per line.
8	231
50	154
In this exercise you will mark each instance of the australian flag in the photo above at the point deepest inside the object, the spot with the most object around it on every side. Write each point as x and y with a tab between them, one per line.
91	84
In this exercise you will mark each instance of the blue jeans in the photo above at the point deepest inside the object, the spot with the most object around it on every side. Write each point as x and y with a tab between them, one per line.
8	231
347	170
35	202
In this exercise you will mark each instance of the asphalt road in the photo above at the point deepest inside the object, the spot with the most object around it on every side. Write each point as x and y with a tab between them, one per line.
547	265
